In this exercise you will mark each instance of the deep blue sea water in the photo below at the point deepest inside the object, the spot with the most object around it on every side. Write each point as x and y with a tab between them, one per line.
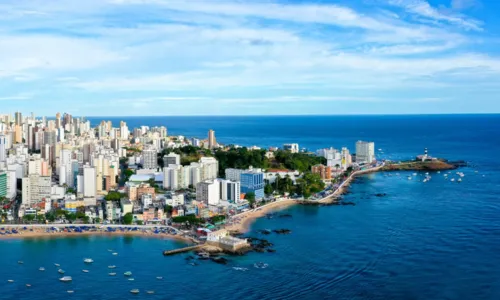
434	240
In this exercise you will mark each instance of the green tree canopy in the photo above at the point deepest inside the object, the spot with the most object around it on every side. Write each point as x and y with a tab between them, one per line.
128	218
113	196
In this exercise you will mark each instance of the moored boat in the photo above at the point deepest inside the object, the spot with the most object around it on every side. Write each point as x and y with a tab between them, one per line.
88	260
41	269
61	271
111	267
112	274
135	291
66	279
85	271
128	273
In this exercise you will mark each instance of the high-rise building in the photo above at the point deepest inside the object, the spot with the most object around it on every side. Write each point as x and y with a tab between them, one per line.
89	181
150	158
209	168
211	139
3	147
18	134
18	119
230	190
294	148
325	172
3	184
365	152
253	181
208	192
171	159
58	120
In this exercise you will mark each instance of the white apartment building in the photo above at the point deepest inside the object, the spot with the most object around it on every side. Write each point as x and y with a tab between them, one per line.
171	159
89	182
208	192
149	158
294	148
365	152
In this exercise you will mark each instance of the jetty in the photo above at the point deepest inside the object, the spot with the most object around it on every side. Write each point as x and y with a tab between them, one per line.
181	250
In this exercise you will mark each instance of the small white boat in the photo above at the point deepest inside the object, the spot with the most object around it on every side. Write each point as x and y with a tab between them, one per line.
111	267
85	271
114	253
409	177
61	271
66	279
128	273
415	174
453	179
41	269
20	262
135	291
112	274
459	180
110	250
425	180
131	279
10	281
88	260
159	278
439	172
150	292
70	292
57	265
28	285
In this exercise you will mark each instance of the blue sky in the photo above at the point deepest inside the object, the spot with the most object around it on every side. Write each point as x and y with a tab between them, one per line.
235	57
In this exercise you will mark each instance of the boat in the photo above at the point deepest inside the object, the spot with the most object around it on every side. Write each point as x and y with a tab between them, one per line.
20	262
409	177
70	292
112	274
88	260
10	281
85	271
459	180
135	291
453	179
41	269
415	174
61	271
66	279
128	273
114	253
439	172
425	180
28	285
57	265
150	292
131	279
159	278
111	267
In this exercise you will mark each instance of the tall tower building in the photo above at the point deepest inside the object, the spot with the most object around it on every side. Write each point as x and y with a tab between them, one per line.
58	120
365	152
211	139
18	134
3	147
19	118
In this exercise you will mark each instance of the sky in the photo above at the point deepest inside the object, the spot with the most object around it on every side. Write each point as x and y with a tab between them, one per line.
249	57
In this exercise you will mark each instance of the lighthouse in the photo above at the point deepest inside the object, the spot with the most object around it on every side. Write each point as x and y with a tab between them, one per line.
426	155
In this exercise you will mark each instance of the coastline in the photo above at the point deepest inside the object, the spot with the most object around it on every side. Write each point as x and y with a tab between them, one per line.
42	234
241	223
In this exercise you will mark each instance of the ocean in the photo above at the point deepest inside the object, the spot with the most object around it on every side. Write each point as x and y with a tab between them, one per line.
434	240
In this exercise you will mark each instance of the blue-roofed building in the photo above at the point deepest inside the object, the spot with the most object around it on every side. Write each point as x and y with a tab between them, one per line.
252	181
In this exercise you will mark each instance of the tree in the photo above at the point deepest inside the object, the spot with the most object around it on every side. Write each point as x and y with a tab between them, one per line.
168	209
29	218
250	197
268	189
113	196
97	220
140	222
128	218
128	173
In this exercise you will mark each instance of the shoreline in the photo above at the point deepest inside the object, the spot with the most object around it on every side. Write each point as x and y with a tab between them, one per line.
39	233
245	219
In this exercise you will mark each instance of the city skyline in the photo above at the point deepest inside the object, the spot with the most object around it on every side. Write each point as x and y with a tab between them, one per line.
159	58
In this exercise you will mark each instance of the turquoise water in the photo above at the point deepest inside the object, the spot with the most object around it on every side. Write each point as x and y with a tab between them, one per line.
434	240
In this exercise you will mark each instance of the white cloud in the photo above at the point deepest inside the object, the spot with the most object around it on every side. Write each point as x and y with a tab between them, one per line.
424	9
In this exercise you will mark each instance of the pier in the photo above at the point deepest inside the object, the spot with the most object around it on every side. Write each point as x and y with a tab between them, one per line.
181	250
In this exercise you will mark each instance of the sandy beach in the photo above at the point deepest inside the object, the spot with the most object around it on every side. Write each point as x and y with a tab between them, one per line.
41	233
241	222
